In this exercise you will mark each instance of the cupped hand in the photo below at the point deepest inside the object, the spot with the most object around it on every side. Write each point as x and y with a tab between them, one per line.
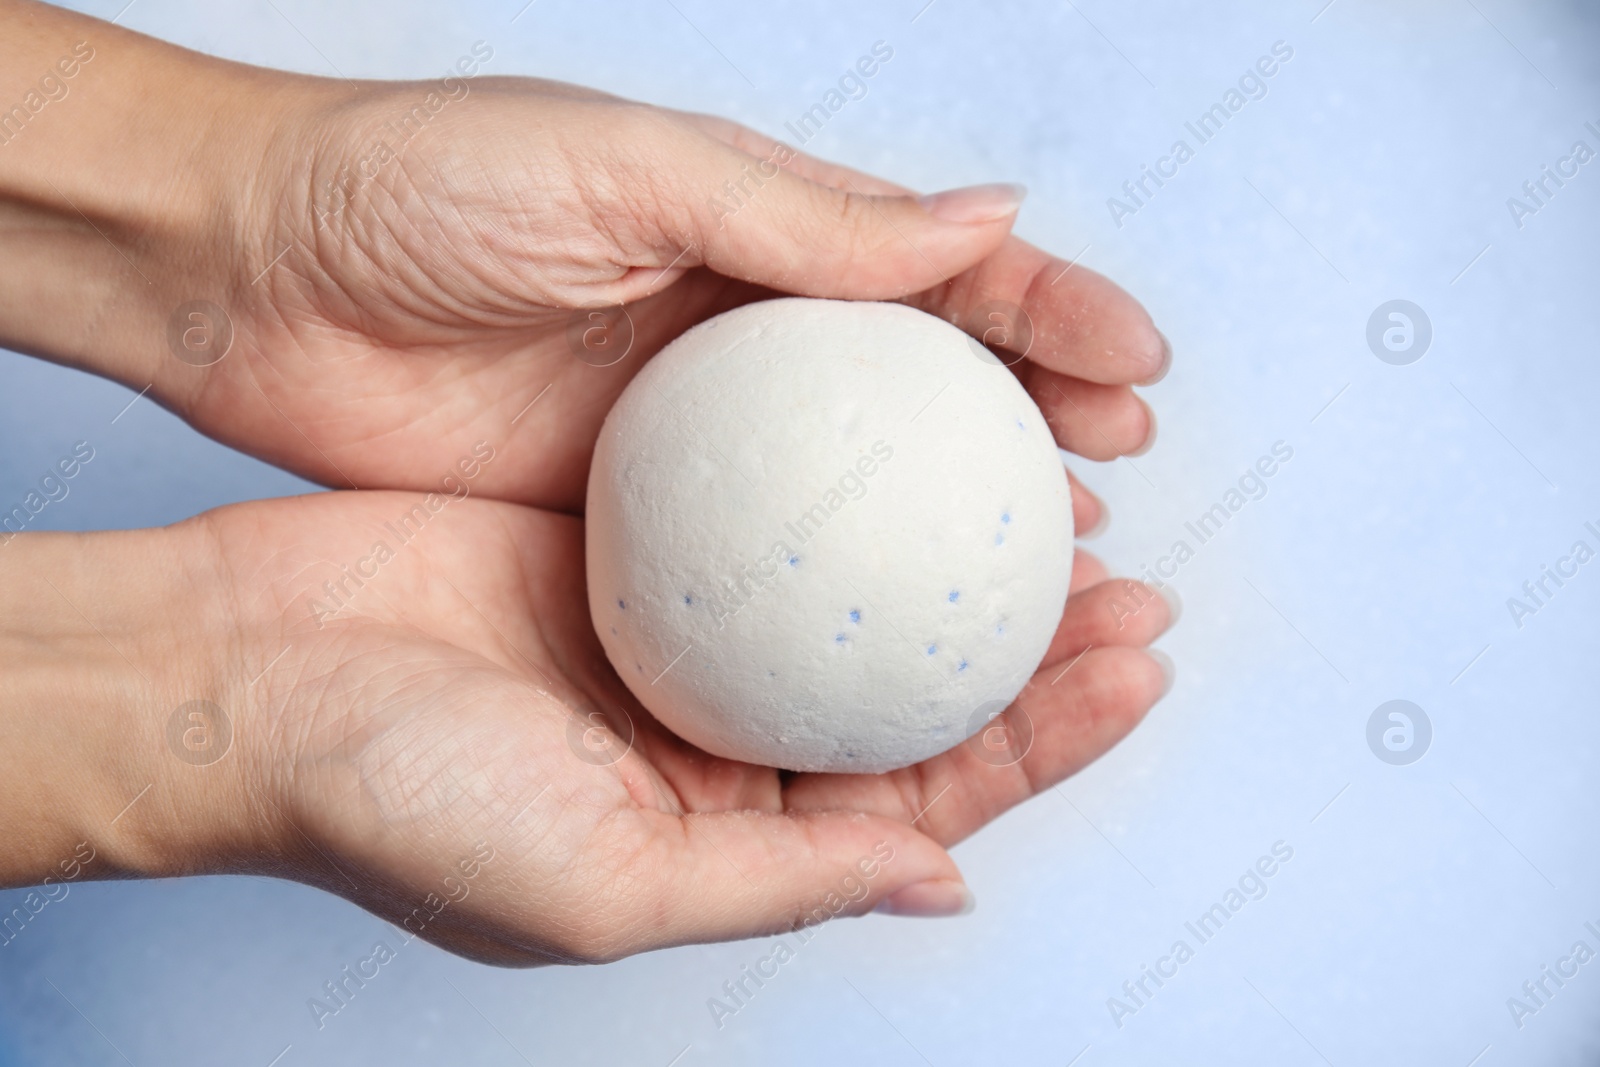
424	722
423	718
398	296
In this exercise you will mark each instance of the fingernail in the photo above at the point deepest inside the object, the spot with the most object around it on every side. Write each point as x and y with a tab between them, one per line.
1150	441
935	899
1169	670
1100	524
1174	604
975	203
1166	361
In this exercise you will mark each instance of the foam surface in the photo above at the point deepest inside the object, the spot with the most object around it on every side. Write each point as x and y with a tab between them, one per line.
826	536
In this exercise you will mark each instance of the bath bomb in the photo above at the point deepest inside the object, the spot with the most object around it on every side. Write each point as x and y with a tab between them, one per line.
826	536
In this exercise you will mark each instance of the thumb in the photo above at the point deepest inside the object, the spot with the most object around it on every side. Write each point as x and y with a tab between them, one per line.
744	874
755	221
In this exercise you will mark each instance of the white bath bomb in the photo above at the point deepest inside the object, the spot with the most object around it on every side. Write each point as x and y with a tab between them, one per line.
826	536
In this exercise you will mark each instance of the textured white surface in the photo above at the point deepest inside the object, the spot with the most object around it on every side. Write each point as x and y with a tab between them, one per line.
826	536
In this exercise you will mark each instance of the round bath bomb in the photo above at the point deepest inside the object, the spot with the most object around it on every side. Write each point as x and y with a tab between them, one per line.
826	535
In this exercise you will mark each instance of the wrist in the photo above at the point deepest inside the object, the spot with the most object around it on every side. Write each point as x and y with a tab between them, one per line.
122	197
109	739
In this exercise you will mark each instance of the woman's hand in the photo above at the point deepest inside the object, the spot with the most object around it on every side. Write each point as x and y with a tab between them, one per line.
402	266
430	727
417	715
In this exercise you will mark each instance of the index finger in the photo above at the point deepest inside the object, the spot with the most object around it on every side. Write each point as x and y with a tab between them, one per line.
1075	322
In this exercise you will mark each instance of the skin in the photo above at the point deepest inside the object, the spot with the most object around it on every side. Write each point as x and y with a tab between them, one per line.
386	330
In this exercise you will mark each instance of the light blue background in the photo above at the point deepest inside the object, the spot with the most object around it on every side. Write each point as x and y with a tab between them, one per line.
1381	560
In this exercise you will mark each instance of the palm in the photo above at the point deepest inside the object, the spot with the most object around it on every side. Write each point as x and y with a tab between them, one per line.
450	701
399	411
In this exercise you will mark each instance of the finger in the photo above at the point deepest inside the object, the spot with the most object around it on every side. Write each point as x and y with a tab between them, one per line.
1120	611
1087	570
1089	513
1083	324
1099	422
1069	716
1080	309
754	220
718	876
1060	729
760	146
